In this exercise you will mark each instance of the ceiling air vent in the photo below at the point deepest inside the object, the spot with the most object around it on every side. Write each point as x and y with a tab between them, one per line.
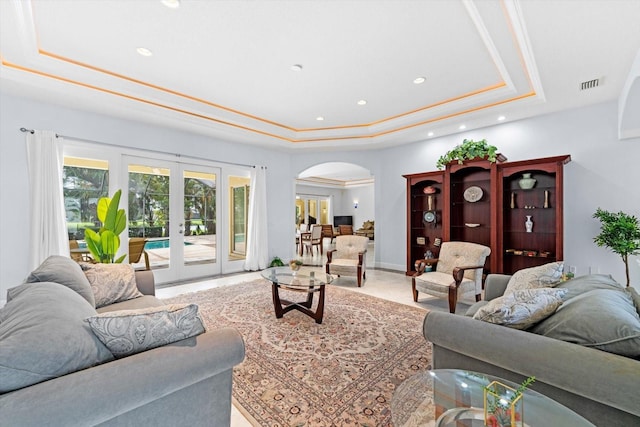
589	84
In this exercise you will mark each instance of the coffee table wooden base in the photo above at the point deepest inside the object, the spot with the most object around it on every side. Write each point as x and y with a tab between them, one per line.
283	306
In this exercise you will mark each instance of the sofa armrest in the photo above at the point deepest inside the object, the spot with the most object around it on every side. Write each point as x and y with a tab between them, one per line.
583	371
495	285
95	395
146	282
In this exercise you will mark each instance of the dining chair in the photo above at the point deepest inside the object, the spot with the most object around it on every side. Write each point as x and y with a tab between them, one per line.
314	239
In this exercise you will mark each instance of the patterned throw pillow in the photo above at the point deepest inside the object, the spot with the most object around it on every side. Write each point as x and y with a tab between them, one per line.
127	332
111	282
543	276
521	309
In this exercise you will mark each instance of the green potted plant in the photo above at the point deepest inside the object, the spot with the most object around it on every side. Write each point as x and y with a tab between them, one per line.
276	262
469	149
620	233
105	243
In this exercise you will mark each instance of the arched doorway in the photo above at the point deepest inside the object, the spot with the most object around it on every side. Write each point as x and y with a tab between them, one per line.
334	193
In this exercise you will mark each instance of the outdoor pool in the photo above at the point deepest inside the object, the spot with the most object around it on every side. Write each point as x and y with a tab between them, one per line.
160	244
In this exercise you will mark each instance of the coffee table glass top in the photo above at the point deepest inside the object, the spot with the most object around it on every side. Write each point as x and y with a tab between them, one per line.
285	277
450	397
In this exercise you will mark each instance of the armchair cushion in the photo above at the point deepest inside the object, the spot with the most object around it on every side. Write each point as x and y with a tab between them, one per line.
437	284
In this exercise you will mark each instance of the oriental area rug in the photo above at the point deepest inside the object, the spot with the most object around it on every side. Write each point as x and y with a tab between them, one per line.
342	372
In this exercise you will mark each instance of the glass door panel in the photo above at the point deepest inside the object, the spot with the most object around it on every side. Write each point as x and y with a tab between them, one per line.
150	211
239	211
173	205
199	217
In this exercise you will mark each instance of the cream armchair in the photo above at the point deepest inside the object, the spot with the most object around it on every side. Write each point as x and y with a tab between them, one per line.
459	268
348	258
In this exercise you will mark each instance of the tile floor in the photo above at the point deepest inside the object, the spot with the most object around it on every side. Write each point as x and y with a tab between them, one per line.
393	286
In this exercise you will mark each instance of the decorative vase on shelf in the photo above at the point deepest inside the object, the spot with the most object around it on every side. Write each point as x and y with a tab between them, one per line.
528	224
526	182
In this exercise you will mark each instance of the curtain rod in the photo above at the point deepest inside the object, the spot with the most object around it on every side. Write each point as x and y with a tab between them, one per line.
145	149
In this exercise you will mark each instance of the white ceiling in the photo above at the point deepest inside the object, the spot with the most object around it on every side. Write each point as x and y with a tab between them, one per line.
223	68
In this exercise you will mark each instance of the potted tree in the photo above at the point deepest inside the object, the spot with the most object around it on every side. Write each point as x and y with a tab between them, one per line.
620	233
105	243
470	149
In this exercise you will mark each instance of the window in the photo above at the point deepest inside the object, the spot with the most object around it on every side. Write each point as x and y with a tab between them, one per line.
84	181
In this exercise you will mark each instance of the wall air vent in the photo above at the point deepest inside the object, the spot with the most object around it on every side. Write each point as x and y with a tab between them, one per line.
589	84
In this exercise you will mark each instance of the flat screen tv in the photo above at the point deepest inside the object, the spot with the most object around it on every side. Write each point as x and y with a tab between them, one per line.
342	220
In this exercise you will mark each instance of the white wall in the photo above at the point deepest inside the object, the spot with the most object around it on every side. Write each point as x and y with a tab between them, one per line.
366	204
604	173
16	112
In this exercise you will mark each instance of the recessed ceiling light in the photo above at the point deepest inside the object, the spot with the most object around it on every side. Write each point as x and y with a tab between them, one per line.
319	118
501	118
419	80
144	51
430	134
172	4
462	127
362	102
296	67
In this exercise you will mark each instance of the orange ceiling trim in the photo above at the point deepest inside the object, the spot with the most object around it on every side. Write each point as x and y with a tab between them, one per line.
417	110
424	122
134	98
292	140
254	117
160	88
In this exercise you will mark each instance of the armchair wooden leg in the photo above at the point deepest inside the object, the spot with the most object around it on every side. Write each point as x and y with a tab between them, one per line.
359	276
453	299
415	291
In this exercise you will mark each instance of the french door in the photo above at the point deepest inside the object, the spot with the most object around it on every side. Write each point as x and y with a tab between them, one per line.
175	206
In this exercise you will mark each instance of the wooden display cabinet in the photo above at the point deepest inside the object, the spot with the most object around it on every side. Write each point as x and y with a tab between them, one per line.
424	215
543	203
492	213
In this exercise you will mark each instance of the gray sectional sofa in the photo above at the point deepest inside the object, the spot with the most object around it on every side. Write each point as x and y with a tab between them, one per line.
187	382
601	386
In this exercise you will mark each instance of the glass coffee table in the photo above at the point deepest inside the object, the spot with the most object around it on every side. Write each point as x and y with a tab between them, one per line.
285	278
451	397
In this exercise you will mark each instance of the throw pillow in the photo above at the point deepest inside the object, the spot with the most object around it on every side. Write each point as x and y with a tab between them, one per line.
521	309
542	276
127	332
43	335
111	282
602	318
63	270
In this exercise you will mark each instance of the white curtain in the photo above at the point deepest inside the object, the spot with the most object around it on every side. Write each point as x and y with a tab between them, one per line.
48	223
257	256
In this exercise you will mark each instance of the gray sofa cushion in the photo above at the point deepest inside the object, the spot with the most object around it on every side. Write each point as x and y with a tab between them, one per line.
132	331
582	284
65	271
43	335
111	282
602	318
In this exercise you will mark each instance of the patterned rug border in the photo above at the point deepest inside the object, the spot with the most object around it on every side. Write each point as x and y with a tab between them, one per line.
371	346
